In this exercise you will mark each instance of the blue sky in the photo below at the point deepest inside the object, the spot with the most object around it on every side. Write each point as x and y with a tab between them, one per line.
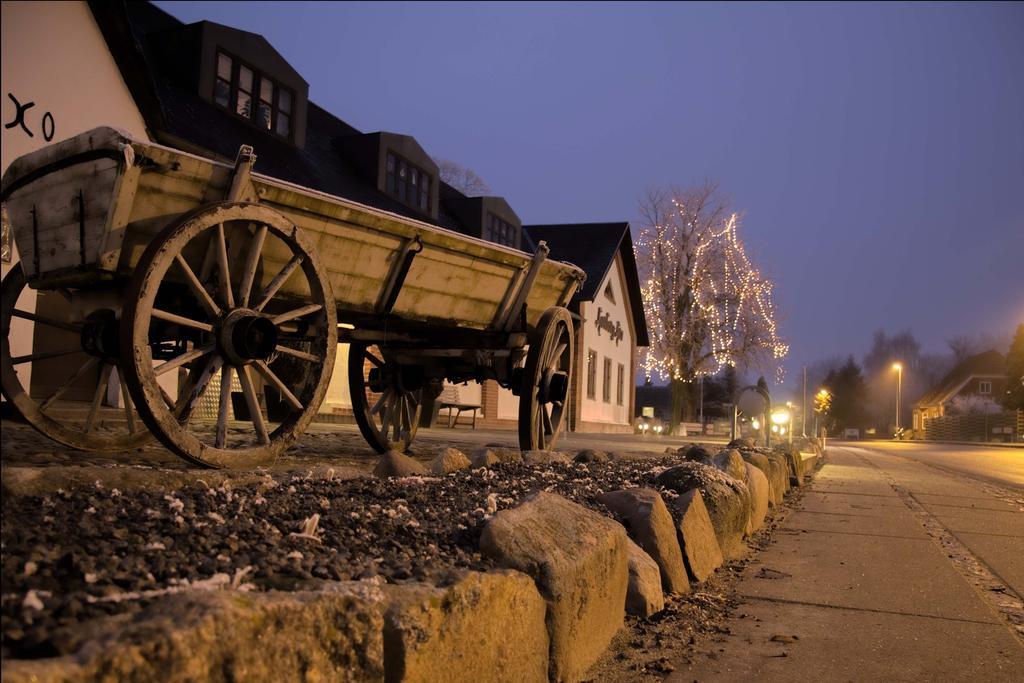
876	151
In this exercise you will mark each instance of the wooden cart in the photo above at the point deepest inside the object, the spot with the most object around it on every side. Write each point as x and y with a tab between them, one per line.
176	272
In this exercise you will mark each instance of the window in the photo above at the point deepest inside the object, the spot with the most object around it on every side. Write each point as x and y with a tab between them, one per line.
606	390
592	375
609	294
502	232
253	96
621	386
984	387
411	185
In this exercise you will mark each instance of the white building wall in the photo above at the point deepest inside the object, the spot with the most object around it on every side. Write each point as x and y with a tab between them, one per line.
56	65
601	342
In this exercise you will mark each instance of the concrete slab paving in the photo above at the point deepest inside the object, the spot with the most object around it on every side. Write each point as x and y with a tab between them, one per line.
979	521
866	572
1004	555
895	526
853	587
855	645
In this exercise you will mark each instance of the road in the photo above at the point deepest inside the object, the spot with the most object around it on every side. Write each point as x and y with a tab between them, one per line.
899	562
1001	465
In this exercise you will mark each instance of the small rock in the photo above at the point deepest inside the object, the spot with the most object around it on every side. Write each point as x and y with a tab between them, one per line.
395	464
449	460
588	455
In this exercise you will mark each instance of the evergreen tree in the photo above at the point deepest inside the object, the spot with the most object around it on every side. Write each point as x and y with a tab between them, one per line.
849	395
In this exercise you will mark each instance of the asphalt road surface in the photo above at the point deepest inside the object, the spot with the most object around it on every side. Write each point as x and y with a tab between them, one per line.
900	562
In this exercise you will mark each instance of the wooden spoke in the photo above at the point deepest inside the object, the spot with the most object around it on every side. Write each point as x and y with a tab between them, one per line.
373	359
197	287
278	280
254	405
269	375
381	402
18	360
222	407
301	355
97	397
77	375
553	360
546	417
181	320
127	404
251	262
167	397
49	322
224	272
184	358
297	313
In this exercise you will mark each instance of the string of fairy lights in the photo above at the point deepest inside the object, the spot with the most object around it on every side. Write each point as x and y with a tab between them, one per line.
707	306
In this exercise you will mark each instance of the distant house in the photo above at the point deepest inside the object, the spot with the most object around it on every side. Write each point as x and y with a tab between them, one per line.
610	326
982	375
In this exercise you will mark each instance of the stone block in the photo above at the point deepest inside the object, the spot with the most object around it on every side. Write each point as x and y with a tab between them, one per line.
731	462
697	535
727	500
758	486
648	522
578	558
644	596
220	635
482	627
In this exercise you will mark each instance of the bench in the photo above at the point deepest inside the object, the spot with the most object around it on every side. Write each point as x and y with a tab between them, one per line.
449	399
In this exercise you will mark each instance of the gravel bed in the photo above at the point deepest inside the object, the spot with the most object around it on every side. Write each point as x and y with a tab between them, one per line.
76	555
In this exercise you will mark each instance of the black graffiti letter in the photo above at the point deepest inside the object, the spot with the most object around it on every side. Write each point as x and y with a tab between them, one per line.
19	115
48	136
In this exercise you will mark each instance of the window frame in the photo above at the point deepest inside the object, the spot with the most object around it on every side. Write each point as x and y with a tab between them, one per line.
591	374
500	231
398	188
985	387
255	95
606	390
620	389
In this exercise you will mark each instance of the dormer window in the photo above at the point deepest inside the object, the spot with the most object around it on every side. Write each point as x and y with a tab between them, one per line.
407	182
253	95
500	231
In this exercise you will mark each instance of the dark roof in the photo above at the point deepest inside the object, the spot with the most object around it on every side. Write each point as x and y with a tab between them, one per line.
177	116
592	247
988	363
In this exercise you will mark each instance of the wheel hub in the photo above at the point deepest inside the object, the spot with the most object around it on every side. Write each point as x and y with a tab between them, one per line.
100	337
554	387
245	336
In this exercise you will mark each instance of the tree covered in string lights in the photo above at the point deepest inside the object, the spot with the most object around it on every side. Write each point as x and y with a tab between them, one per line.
707	306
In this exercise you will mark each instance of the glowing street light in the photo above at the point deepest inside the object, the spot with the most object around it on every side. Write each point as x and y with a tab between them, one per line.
898	367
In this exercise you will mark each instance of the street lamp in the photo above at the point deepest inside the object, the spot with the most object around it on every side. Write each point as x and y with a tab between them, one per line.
898	367
821	401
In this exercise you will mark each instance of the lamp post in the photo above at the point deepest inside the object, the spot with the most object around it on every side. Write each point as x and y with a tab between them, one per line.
898	367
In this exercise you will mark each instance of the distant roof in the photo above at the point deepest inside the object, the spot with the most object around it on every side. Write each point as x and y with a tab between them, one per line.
989	363
592	247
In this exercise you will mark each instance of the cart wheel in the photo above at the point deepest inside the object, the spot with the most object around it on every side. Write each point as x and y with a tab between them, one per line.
88	351
386	398
546	381
202	302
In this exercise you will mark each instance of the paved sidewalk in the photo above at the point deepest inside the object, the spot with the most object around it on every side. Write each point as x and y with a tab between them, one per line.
854	588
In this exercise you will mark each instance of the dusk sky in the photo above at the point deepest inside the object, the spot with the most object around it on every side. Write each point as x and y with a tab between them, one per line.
876	151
